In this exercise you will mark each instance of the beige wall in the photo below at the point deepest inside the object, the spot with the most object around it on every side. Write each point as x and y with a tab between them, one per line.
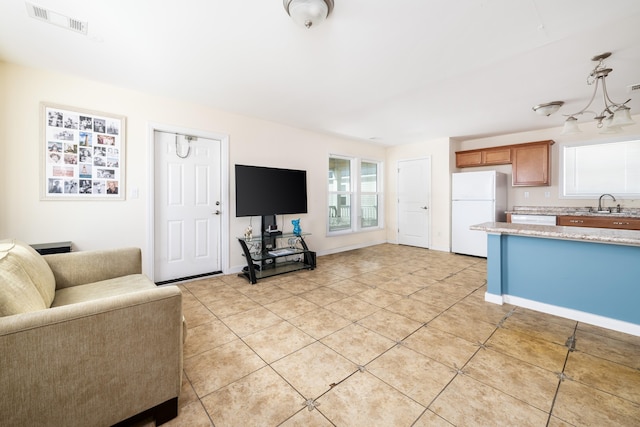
4	88
537	195
103	224
439	152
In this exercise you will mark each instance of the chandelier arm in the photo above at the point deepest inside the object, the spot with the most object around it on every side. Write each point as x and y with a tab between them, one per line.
608	103
612	117
593	96
606	95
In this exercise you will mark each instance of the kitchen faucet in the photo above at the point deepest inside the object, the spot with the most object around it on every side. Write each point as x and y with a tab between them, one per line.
600	201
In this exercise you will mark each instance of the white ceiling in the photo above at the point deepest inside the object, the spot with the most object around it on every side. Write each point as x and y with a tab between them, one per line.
394	72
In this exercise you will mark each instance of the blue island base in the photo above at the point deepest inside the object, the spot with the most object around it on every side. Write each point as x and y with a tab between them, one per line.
591	282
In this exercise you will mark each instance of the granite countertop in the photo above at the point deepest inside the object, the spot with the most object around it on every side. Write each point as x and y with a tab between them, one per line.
598	235
577	211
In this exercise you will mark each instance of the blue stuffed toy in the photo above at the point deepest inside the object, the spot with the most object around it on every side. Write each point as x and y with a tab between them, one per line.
296	226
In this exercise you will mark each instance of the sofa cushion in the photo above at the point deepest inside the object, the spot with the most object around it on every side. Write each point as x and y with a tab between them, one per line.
102	289
18	294
34	266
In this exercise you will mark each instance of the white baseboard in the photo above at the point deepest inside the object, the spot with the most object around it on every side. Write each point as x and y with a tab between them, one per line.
568	313
492	298
235	269
434	248
238	268
350	248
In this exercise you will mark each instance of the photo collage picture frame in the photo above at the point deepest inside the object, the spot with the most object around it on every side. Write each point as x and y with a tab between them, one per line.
83	154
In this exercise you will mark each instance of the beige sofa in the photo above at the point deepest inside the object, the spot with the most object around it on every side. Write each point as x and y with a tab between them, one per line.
86	339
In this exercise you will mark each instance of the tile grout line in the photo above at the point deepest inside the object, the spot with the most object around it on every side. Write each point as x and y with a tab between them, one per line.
457	371
267	364
379	309
362	368
571	341
482	345
232	286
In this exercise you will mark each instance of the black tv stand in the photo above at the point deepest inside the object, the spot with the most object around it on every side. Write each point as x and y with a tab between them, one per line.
275	252
270	225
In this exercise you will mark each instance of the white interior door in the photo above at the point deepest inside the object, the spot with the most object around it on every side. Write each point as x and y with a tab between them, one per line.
187	209
414	196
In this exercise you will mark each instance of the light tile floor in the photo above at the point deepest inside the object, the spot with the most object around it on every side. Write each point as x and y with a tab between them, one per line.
394	336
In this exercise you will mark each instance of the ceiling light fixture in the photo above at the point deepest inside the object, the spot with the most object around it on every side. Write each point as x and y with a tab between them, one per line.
549	108
613	115
308	12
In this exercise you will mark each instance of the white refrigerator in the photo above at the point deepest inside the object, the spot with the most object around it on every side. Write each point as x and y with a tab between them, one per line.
476	197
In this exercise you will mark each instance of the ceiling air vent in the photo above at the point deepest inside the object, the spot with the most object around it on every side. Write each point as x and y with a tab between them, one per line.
57	19
40	13
78	26
633	88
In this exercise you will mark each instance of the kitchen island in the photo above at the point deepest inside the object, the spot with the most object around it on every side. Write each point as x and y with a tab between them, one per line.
587	274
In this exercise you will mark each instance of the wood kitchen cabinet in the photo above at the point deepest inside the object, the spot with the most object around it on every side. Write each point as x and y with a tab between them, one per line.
621	223
497	156
531	161
484	157
465	159
532	164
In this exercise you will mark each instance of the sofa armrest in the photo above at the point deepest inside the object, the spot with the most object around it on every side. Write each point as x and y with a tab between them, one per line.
80	268
93	363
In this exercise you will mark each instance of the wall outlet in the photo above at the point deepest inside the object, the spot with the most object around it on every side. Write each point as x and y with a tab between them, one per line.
547	194
526	194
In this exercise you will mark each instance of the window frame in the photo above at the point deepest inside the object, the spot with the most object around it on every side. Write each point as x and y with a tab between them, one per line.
356	194
562	184
377	193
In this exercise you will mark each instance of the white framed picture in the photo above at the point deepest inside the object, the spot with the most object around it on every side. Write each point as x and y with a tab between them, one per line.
82	154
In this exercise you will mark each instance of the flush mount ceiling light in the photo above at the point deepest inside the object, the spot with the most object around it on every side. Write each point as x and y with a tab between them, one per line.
549	108
309	13
613	116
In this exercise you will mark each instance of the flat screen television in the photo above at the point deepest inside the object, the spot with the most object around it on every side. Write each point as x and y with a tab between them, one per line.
263	191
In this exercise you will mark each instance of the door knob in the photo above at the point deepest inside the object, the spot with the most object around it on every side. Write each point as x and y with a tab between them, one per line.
217	212
424	207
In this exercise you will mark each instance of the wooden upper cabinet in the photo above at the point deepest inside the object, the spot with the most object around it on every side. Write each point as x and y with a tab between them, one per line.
532	164
531	161
497	156
468	158
483	157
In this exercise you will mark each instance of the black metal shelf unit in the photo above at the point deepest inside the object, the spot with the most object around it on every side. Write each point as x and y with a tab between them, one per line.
274	254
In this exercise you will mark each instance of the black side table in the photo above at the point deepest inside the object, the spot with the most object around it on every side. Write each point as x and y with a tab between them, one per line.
52	248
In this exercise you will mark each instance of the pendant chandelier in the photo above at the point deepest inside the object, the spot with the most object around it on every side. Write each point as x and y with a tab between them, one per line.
611	118
309	13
